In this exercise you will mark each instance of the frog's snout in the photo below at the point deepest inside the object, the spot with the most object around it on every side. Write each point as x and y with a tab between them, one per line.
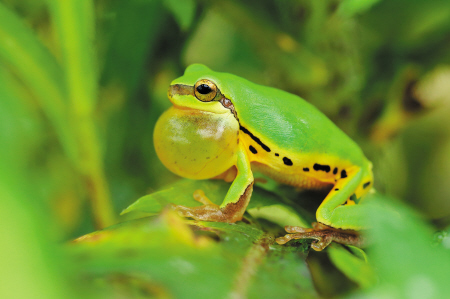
179	89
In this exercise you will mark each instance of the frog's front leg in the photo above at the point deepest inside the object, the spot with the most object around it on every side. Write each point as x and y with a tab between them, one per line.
238	196
337	220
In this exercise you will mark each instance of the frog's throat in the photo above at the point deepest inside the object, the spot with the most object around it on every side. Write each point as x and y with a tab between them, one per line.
182	89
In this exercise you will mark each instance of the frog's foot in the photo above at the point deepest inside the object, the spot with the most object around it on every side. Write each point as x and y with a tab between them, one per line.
323	236
209	211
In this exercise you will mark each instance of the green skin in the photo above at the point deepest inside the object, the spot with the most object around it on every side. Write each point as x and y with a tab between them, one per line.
243	125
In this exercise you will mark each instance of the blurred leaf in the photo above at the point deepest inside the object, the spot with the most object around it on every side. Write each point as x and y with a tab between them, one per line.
283	273
135	23
245	39
25	250
403	256
183	11
74	20
32	266
38	69
74	23
355	268
349	8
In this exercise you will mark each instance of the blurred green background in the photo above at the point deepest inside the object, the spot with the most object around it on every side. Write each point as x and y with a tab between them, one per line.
83	82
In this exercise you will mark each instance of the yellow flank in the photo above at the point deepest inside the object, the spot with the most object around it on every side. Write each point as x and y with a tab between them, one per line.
311	171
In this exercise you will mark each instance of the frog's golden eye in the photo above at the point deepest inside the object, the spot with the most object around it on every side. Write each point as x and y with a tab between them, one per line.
205	90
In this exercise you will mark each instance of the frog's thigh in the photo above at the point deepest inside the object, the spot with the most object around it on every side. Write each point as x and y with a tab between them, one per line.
332	211
238	195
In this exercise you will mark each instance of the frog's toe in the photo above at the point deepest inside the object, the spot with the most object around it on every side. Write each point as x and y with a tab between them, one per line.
321	226
182	210
321	243
200	196
321	239
283	240
297	229
208	212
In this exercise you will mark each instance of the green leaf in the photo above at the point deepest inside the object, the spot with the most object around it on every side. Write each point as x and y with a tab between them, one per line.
134	24
403	254
190	259
27	230
74	20
263	204
354	267
284	274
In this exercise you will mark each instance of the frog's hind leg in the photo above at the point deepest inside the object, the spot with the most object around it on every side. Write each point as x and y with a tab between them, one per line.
337	209
323	236
338	215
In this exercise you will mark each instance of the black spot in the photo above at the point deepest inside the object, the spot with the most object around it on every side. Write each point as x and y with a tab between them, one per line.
353	197
306	169
252	149
335	170
336	189
256	139
343	174
325	168
277	154
287	161
366	185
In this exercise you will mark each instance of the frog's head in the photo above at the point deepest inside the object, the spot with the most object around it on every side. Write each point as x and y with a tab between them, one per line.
199	89
197	137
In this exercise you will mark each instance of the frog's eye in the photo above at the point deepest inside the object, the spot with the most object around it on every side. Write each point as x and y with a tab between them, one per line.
205	90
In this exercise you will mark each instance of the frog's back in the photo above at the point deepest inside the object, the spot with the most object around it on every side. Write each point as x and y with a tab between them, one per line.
289	122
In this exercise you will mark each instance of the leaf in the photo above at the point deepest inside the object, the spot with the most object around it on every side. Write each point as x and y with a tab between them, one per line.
74	20
283	274
402	254
189	259
263	204
355	268
27	232
134	24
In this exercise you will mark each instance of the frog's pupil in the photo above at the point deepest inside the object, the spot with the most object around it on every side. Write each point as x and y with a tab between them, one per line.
203	89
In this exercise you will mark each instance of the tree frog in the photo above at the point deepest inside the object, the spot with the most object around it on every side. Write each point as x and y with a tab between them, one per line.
223	126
